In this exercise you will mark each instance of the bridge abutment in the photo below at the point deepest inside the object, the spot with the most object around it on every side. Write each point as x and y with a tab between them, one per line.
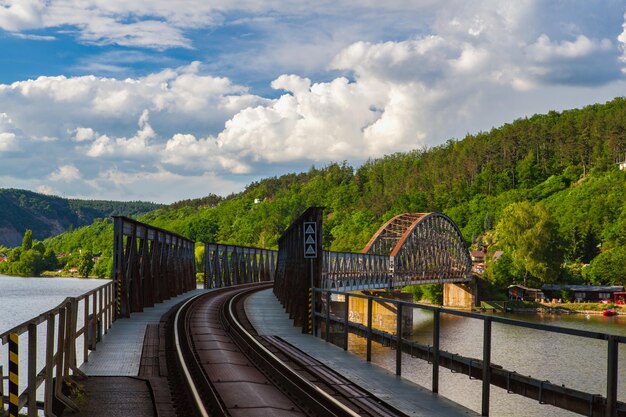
460	295
384	314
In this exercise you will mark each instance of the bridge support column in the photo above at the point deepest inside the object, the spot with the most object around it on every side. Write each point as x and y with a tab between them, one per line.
384	315
459	295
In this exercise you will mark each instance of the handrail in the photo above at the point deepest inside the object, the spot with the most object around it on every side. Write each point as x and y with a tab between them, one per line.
62	336
573	400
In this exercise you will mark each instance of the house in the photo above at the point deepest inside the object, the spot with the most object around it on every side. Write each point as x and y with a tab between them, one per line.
520	292
582	293
3	257
622	165
477	256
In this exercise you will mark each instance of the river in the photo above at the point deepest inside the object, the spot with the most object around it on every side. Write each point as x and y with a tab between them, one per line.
562	359
22	299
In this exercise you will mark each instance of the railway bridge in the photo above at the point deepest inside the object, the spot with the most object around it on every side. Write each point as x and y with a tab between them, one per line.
149	322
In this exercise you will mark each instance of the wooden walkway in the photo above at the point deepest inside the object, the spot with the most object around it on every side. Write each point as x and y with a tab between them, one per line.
127	374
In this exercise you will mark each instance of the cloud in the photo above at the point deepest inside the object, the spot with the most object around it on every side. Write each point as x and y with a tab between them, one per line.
44	189
66	173
179	99
82	134
394	77
21	14
33	37
621	38
137	146
7	141
156	24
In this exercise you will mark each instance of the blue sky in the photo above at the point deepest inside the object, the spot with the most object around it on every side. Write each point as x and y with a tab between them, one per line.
161	101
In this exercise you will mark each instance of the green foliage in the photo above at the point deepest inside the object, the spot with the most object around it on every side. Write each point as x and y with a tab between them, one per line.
85	263
27	241
27	260
103	267
432	293
529	234
199	255
608	268
46	216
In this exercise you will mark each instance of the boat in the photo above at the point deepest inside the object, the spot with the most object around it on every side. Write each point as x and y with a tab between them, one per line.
609	312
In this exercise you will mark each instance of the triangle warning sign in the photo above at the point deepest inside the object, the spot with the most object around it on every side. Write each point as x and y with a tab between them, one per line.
310	250
309	230
309	240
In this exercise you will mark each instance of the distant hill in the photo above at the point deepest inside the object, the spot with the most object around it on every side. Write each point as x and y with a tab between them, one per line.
48	215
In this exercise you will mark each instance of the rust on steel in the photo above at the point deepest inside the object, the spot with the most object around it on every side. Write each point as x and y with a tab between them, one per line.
386	238
226	265
149	265
423	247
292	279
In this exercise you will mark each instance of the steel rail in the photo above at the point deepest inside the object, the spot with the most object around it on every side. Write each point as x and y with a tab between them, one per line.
181	360
262	354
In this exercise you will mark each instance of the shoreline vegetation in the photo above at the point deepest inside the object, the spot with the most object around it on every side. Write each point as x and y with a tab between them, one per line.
54	274
531	307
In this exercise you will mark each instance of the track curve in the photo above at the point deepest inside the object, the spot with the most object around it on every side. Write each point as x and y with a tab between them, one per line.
230	371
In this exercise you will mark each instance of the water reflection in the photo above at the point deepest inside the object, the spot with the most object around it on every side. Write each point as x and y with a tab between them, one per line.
572	361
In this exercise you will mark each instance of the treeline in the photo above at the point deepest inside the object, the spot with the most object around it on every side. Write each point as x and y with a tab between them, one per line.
35	257
49	215
561	166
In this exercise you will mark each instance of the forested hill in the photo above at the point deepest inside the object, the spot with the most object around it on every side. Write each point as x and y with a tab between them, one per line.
555	177
48	215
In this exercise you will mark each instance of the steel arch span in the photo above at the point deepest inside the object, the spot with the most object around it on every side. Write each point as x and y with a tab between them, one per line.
424	248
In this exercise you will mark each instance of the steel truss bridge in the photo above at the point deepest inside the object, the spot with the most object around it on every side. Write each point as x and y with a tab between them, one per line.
411	248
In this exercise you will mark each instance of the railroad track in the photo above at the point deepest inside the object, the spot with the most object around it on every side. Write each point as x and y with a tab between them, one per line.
222	368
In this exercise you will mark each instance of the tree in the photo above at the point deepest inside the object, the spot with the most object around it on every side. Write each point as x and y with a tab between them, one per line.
49	260
85	263
528	232
30	263
199	256
103	266
607	268
27	241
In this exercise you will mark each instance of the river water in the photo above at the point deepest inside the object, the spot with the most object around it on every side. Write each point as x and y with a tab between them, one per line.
562	359
22	299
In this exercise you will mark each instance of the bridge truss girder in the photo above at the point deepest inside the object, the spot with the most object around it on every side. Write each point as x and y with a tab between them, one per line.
423	248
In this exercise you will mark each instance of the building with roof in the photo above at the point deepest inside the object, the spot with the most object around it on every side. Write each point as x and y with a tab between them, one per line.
582	293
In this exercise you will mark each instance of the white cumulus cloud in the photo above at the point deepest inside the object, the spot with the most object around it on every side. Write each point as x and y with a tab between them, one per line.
65	173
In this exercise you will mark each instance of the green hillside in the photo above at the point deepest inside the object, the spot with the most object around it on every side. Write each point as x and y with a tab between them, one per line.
49	215
546	190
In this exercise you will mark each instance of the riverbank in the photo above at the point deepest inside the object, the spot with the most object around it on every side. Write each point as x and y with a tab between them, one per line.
55	274
529	307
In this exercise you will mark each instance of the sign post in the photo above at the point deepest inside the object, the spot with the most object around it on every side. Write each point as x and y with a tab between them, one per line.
310	253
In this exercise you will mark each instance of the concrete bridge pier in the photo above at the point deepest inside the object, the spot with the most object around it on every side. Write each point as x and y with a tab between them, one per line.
384	315
460	295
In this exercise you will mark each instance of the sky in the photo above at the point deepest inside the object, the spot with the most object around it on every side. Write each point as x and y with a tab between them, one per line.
162	100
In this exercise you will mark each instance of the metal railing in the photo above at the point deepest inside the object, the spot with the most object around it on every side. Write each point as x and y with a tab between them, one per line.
61	340
490	374
343	271
226	265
